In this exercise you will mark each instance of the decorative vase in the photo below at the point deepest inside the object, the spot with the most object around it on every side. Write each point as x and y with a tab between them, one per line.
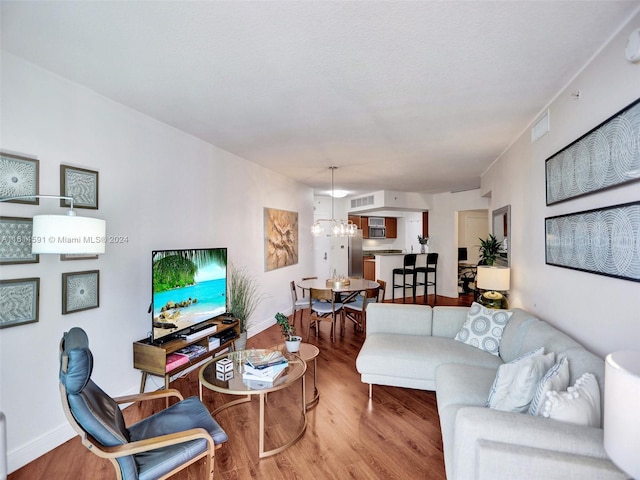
423	248
293	345
240	343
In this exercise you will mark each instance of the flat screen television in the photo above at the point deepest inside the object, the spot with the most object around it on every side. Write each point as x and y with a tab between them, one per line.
189	287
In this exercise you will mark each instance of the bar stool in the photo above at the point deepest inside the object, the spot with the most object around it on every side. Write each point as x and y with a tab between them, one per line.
408	268
431	267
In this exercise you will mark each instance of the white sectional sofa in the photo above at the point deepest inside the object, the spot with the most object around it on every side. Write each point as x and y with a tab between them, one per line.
413	346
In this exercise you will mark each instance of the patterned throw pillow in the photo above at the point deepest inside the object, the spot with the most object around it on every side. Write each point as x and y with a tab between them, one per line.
557	378
483	328
516	382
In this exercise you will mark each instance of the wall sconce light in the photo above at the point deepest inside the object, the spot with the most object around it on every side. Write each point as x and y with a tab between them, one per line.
65	234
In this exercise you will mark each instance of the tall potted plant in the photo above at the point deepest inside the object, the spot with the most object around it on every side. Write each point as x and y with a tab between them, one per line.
244	298
490	248
291	340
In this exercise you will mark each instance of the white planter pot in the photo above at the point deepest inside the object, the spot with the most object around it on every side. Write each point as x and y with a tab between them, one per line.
293	345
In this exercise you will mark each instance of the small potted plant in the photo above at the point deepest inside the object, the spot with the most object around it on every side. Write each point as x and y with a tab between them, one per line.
424	243
291	340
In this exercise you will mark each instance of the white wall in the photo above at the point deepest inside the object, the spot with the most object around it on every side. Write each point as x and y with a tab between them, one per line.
443	234
160	188
599	311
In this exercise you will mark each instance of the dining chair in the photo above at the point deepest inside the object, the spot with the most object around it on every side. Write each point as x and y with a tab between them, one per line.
297	304
431	268
357	311
382	291
157	446
323	308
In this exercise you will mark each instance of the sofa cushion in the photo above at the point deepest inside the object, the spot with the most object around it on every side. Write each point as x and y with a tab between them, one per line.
516	382
458	386
580	404
416	356
556	378
514	333
483	328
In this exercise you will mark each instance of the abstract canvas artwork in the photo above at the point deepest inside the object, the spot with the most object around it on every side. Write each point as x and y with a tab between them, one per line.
605	241
607	156
281	238
80	291
19	301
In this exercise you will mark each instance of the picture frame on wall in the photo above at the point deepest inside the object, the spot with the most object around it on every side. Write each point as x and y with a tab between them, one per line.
280	238
77	256
605	241
80	184
80	291
19	302
15	241
19	176
605	157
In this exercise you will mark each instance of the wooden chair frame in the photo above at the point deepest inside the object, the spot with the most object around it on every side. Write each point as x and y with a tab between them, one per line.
315	318
112	453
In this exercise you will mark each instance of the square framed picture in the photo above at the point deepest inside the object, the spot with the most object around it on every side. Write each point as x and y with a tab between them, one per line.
15	241
77	256
19	176
19	301
80	184
80	291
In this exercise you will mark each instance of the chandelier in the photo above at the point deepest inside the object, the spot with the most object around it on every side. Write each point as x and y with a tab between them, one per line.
338	228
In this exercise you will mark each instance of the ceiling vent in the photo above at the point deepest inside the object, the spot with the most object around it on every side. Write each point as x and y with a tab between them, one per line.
540	128
362	201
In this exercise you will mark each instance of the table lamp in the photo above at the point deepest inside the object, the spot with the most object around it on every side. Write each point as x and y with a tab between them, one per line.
494	280
621	400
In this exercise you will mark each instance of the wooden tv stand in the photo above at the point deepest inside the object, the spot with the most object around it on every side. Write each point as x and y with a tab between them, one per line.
152	359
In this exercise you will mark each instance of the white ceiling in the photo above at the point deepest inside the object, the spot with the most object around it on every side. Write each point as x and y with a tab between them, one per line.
400	95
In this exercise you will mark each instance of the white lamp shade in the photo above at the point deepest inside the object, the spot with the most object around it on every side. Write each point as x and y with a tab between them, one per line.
66	234
493	278
621	419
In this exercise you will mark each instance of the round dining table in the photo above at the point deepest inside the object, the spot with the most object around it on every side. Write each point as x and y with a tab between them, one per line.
348	292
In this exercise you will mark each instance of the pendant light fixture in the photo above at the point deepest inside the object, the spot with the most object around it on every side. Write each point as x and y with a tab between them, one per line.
64	234
338	228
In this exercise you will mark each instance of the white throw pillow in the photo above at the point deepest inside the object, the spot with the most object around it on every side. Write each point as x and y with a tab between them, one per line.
483	328
516	381
557	378
580	404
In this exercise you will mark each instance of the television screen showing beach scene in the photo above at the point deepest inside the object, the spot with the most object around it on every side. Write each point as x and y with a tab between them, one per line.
189	287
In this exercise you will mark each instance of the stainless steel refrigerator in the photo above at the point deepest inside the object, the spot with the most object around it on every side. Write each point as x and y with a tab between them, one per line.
355	255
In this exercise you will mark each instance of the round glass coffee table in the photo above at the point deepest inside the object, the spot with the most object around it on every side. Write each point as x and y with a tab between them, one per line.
307	352
230	382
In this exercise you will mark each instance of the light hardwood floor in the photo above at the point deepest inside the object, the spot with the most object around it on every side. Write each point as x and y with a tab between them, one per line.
396	435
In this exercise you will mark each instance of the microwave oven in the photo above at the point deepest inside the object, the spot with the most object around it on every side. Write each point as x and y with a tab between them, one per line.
377	232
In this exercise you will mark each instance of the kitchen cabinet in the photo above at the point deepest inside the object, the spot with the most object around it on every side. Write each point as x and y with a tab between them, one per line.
390	223
391	227
369	268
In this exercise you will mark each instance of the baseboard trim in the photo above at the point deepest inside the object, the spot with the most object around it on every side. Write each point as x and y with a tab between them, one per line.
19	457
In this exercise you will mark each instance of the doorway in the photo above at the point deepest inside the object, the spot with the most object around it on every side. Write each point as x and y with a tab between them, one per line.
472	226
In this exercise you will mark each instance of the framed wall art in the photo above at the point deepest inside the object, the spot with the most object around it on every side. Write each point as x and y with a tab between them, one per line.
81	184
80	291
19	301
605	241
15	241
604	157
280	238
77	256
19	176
